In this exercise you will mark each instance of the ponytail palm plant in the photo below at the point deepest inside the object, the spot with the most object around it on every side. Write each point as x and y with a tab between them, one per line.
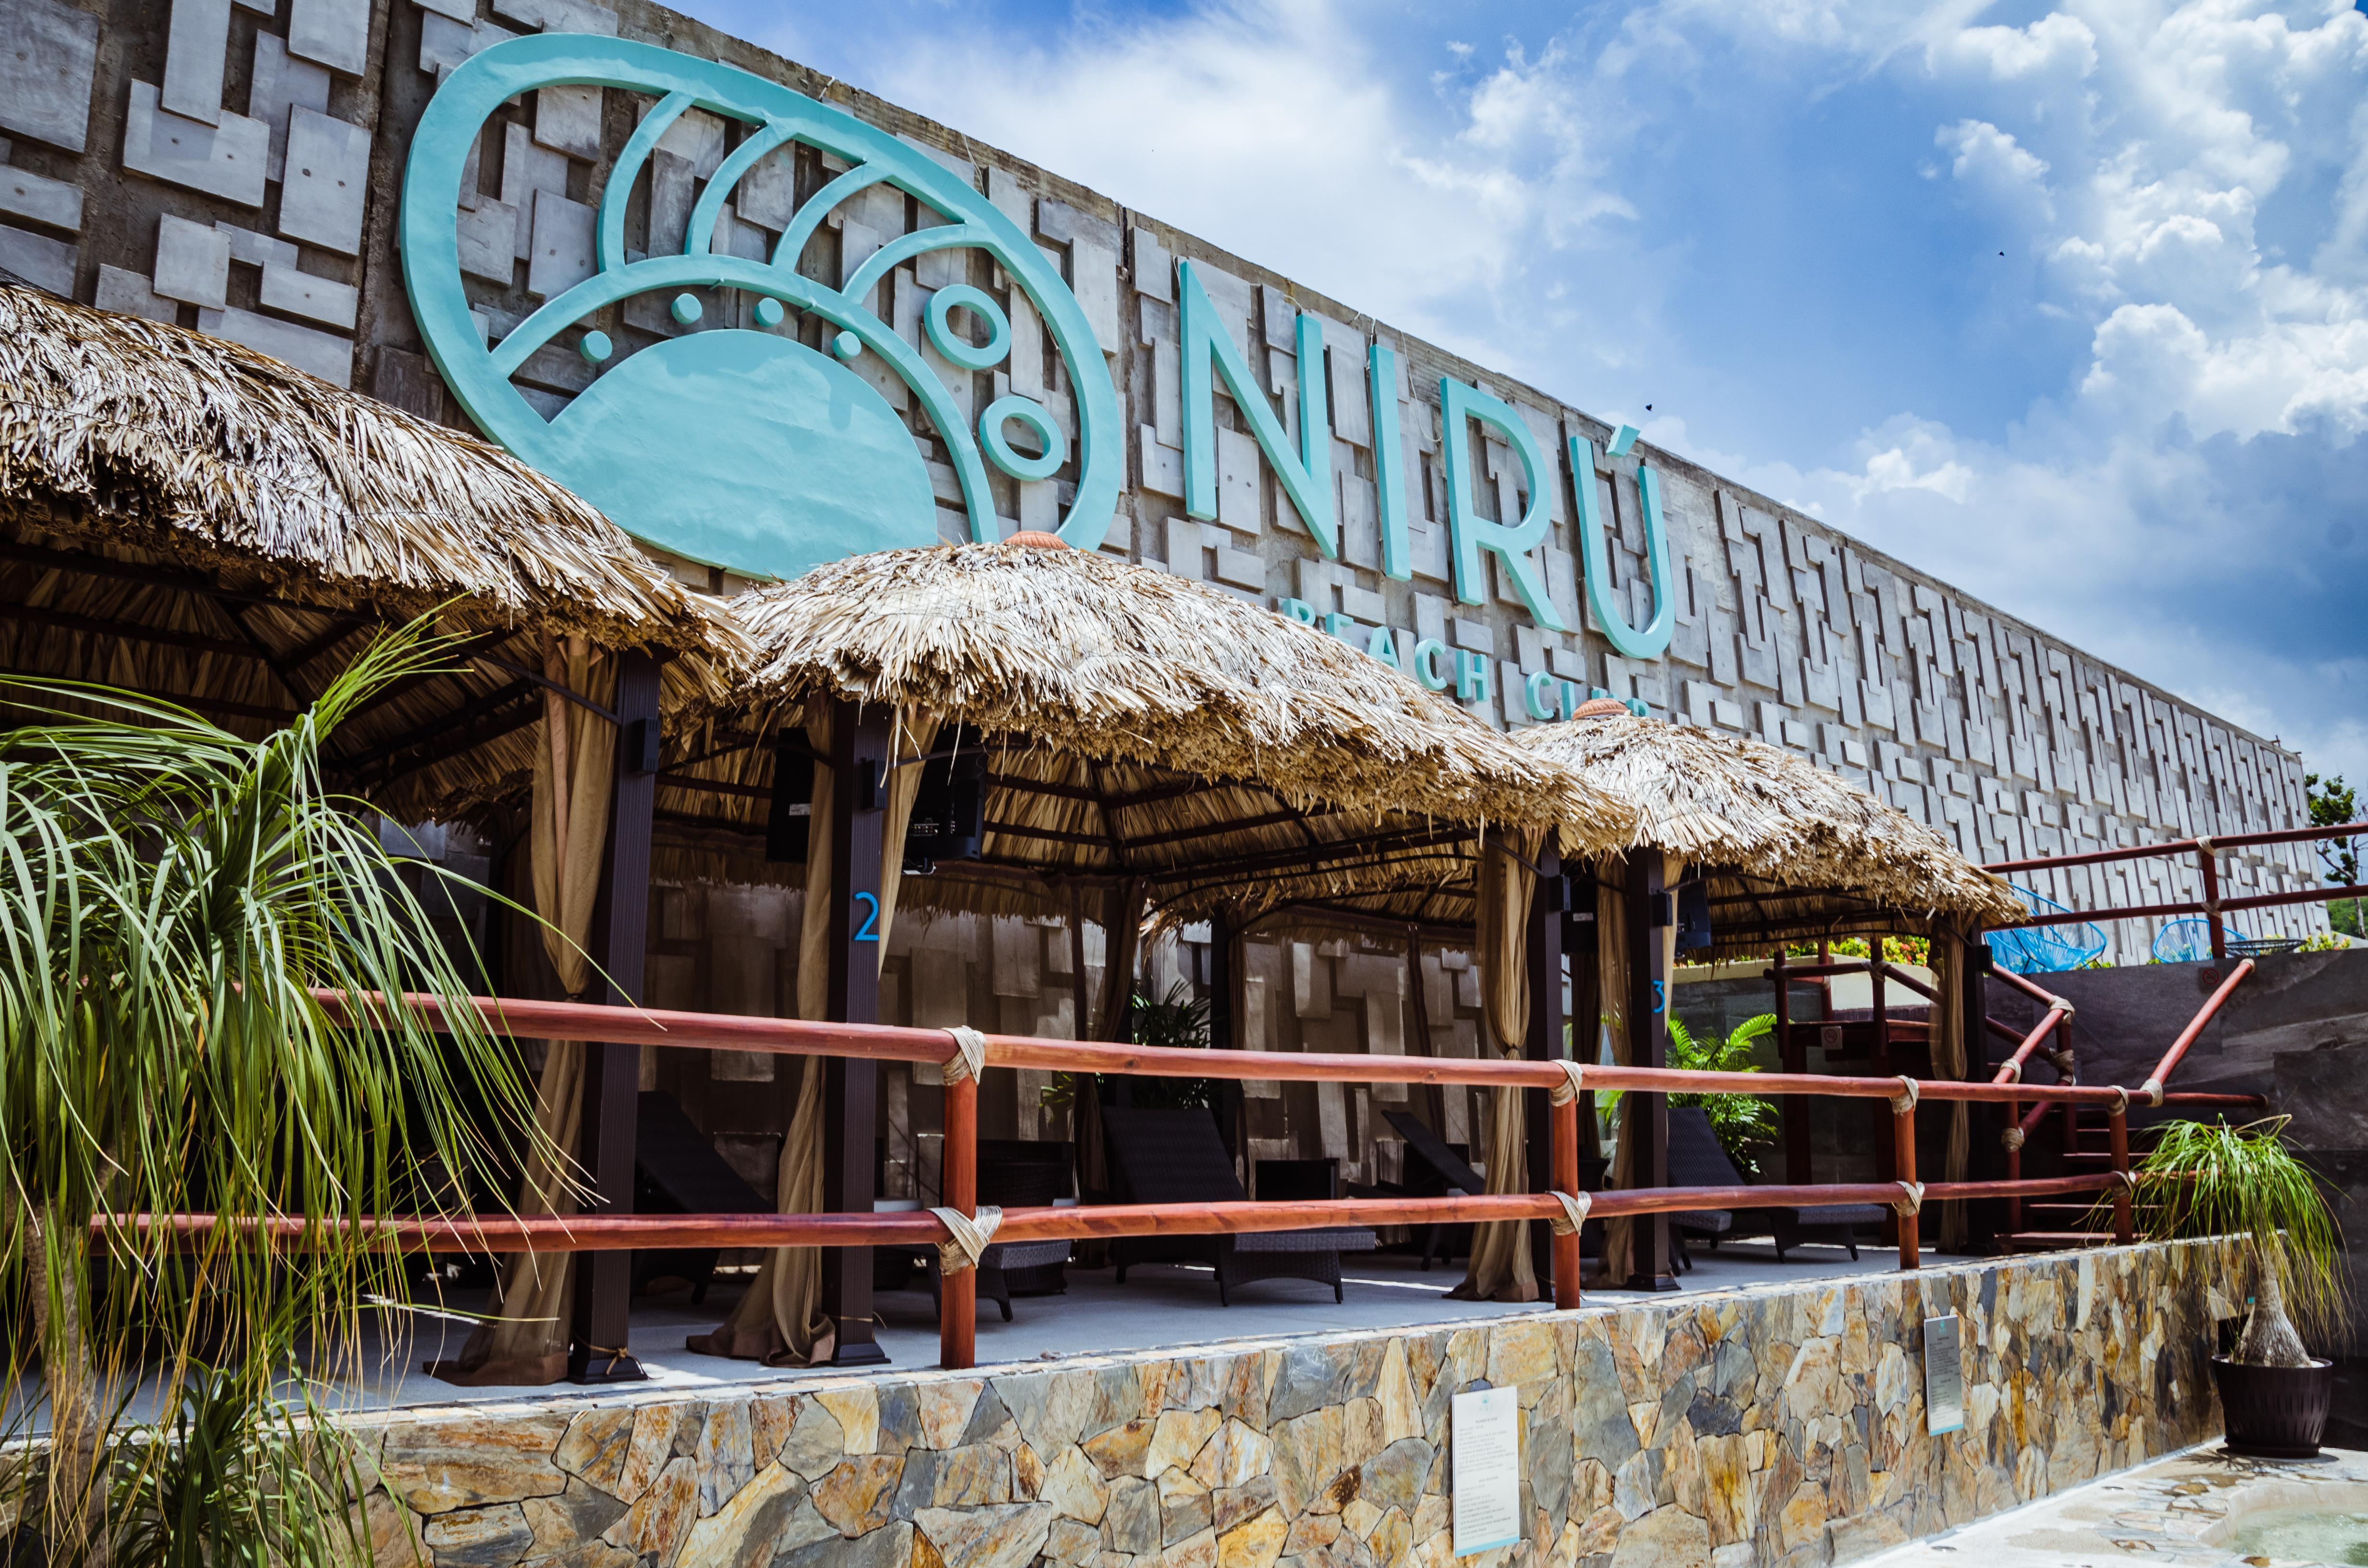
169	895
2204	1179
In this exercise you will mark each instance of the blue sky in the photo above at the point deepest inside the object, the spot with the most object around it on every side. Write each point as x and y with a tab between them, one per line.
2067	306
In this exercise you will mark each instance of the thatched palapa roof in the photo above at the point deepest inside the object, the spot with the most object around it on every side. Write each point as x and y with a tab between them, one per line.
199	522
1791	851
1142	725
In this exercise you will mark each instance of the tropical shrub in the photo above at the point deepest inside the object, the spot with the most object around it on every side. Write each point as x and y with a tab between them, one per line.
170	894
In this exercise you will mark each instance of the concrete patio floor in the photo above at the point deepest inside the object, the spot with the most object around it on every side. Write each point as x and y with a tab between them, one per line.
1160	1305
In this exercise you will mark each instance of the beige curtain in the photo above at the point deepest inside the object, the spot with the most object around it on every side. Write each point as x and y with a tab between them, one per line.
1122	921
1611	977
1500	1268
1949	1062
575	772
779	1320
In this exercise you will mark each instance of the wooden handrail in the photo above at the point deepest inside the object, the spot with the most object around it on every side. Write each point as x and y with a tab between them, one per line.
2153	1087
957	1307
710	1031
2182	846
482	1235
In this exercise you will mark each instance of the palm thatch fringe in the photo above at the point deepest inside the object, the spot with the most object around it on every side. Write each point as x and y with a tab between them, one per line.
1137	725
188	519
127	431
1793	849
1096	658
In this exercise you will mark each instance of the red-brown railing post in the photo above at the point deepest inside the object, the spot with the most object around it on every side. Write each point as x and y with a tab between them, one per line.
1564	1121
1903	1143
2124	1211
2012	1138
958	1183
2209	860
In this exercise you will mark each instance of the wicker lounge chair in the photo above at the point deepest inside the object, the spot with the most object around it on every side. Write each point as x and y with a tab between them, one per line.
1175	1156
677	1171
1014	1184
1697	1159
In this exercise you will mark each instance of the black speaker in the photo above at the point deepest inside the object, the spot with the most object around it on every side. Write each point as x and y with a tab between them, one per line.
1693	916
949	811
788	823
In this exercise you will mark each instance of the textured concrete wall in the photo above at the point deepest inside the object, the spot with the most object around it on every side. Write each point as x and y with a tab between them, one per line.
148	167
1728	1428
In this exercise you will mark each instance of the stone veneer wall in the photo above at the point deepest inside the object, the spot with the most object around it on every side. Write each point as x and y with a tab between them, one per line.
1758	1426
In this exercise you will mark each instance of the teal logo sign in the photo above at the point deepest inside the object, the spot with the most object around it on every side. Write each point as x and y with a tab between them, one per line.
741	446
1304	472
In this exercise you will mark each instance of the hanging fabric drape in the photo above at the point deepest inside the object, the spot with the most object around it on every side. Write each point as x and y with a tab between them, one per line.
1500	1268
1948	958
1611	979
1435	1095
1586	1033
779	1320
574	774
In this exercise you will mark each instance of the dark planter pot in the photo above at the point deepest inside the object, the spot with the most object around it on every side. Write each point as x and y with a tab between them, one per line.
2274	1413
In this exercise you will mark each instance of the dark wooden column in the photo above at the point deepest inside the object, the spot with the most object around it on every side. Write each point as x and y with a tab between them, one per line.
1224	1033
1648	1027
852	1086
604	1280
1984	1155
1544	958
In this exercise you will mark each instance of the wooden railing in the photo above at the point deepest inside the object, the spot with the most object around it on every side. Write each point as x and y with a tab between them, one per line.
2207	851
958	1305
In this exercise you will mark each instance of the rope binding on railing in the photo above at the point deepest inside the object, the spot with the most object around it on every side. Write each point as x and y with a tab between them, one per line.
1910	1200
2121	1101
2012	1137
969	1060
2058	1005
1905	1101
2126	1179
1573	1081
2010	1071
968	1238
2152	1090
1575	1206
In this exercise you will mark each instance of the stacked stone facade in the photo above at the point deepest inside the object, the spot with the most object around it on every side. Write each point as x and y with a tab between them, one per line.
233	164
1773	1426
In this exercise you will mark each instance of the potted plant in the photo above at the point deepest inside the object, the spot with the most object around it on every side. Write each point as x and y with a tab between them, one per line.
2244	1183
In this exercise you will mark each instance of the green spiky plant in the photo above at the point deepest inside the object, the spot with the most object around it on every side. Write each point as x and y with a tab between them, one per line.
2203	1178
1178	1020
1745	1124
169	894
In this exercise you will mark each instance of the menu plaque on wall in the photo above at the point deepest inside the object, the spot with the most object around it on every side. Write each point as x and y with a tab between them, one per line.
1484	1458
1944	1377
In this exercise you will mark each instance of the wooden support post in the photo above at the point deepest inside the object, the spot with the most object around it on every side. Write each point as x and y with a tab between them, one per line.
1648	1031
2124	1211
2209	862
1224	1029
1794	1057
859	742
602	1320
1887	1163
1565	1180
1546	1044
2011	1136
958	1293
1903	1143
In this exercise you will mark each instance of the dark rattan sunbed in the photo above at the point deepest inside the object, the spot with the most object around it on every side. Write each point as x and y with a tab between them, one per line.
1175	1156
1697	1159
